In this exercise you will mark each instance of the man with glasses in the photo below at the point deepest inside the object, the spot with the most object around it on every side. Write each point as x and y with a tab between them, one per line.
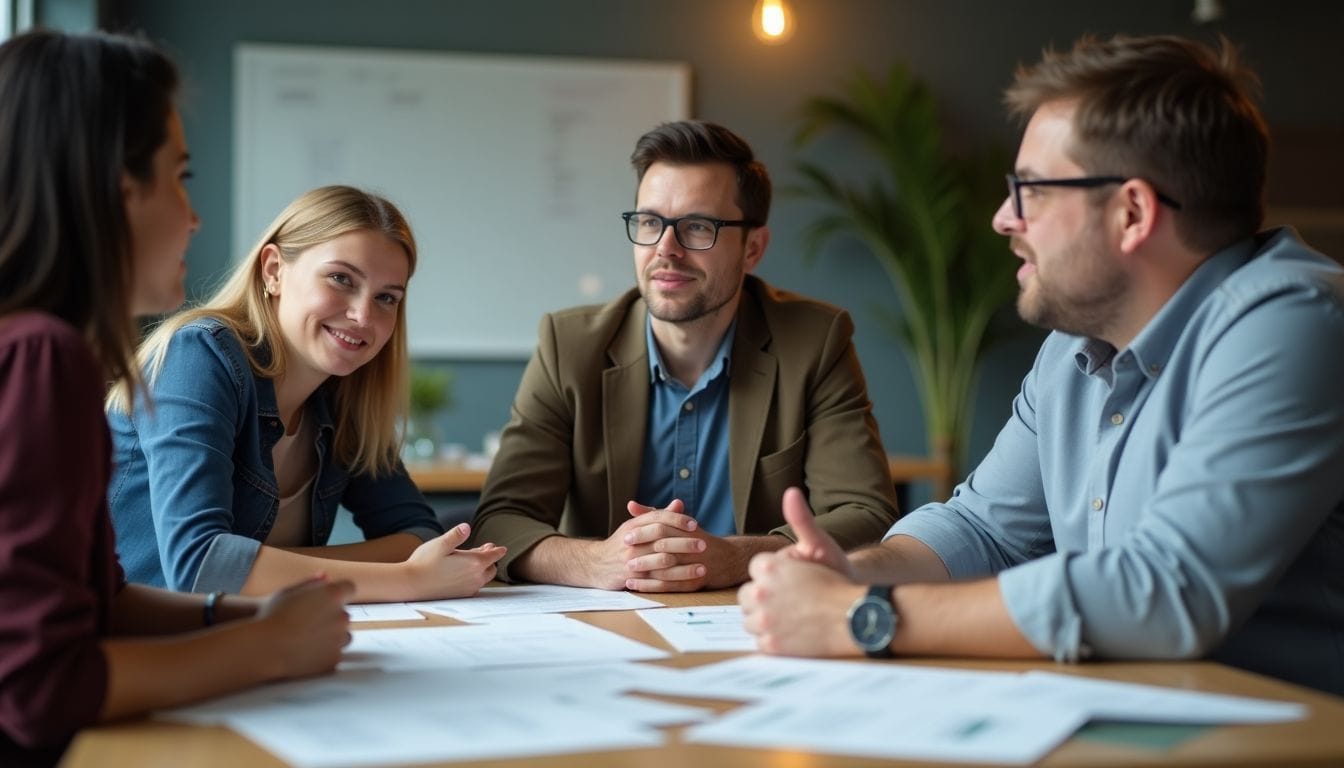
1169	483
651	438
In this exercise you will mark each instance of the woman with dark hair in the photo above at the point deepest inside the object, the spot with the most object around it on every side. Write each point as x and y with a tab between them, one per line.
93	229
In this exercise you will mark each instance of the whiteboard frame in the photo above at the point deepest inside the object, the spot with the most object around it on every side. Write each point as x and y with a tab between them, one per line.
513	295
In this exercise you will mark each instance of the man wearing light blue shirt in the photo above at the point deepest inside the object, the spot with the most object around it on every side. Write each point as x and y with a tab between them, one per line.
1169	483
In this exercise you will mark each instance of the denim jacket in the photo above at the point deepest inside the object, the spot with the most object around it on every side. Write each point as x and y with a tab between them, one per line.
193	493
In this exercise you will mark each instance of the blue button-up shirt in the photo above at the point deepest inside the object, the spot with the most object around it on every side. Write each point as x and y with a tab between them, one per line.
686	446
1182	496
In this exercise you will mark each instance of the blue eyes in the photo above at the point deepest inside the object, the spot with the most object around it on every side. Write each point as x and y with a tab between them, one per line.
343	280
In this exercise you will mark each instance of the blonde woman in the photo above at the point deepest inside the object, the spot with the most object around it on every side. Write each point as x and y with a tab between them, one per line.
276	401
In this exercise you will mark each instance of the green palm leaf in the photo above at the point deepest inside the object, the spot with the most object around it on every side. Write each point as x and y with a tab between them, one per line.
924	215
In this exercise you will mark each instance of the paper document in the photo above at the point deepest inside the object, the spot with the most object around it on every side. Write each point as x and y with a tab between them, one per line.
965	730
436	728
1109	700
708	628
926	713
533	641
531	599
373	717
383	612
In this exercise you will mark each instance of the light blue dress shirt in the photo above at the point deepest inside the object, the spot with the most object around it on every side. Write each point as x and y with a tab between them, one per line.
1180	497
686	445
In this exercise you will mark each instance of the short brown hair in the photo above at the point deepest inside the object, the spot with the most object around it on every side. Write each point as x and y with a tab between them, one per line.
694	142
1172	111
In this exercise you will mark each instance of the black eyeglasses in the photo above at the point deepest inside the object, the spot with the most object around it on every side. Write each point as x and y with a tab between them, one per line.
695	233
1016	184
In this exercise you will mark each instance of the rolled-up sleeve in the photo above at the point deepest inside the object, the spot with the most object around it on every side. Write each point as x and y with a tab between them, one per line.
997	517
187	436
1158	539
1256	471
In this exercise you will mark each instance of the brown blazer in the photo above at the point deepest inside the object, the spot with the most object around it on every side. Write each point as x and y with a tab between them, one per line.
798	411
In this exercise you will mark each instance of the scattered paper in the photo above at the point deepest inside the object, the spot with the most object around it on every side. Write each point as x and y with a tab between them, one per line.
1110	700
707	628
535	641
383	612
533	599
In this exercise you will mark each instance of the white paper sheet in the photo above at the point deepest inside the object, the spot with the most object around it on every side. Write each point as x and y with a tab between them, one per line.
1109	700
532	599
752	678
966	730
382	612
436	729
531	641
914	712
707	628
369	716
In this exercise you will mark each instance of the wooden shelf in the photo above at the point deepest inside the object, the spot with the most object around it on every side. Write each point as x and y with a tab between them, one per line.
456	478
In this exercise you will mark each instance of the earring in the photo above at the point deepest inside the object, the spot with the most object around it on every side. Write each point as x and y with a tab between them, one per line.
270	289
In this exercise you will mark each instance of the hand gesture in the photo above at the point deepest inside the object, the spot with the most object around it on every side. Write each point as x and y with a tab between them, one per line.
795	607
308	625
813	545
437	569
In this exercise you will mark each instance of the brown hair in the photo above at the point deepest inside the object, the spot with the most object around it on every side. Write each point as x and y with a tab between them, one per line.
694	142
371	402
1172	111
76	112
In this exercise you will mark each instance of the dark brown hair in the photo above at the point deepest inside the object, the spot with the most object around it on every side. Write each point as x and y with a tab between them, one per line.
693	142
1172	111
76	111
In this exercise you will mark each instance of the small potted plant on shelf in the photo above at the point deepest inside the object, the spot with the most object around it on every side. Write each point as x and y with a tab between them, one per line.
431	394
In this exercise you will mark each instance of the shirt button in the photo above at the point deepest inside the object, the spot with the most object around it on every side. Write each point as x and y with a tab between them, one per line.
1117	419
1097	504
689	406
1154	368
684	473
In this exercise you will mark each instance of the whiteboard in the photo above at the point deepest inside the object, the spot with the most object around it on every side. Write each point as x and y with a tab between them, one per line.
511	170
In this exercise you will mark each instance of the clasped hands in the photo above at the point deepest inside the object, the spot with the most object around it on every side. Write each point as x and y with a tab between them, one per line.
664	550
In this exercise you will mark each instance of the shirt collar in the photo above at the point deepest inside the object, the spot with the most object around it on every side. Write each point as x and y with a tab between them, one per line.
1153	345
721	358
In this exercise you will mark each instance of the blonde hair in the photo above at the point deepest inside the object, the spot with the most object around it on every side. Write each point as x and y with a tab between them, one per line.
370	404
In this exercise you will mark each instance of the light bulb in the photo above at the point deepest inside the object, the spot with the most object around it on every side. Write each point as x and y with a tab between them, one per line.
772	21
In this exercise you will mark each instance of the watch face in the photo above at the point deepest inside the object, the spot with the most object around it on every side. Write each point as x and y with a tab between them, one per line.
872	624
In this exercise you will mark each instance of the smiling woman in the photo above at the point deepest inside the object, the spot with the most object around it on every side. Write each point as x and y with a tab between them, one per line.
277	401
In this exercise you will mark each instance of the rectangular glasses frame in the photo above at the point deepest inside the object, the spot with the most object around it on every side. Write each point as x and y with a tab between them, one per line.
1015	184
676	230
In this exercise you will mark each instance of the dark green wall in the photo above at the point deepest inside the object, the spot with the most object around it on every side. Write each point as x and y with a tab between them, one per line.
964	49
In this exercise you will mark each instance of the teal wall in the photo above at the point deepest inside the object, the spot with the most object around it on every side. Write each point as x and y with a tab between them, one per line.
965	50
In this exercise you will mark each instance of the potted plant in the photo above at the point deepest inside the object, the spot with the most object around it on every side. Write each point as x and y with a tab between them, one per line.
431	393
924	215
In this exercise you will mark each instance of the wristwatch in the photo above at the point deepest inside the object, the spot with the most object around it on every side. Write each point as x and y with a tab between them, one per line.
872	622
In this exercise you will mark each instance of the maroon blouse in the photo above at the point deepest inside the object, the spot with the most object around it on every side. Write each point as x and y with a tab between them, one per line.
58	566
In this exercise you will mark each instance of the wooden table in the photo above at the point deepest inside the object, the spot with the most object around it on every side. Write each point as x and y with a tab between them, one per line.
1316	741
442	477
